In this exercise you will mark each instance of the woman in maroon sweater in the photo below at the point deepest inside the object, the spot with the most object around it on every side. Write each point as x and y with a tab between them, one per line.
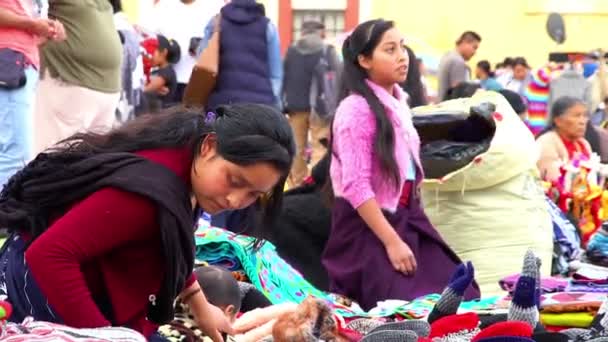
97	234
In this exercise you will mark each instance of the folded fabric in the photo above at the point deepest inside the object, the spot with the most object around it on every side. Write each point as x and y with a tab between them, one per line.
571	298
547	285
589	287
490	304
599	243
35	331
590	271
281	283
591	307
572	320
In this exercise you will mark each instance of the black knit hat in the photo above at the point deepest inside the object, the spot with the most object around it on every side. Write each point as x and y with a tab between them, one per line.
173	49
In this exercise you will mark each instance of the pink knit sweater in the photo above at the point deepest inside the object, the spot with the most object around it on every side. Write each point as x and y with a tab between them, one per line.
355	171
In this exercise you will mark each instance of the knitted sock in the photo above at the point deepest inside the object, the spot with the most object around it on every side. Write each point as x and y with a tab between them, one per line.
391	336
453	294
421	328
522	306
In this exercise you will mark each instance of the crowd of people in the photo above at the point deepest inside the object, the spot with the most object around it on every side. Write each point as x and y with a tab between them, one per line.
101	168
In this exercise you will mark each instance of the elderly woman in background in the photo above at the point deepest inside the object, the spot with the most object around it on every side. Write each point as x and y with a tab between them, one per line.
564	139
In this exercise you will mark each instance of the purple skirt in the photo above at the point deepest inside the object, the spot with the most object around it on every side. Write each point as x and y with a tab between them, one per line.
359	268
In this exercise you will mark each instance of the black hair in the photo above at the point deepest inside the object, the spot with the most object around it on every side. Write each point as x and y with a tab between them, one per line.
468	36
246	134
485	66
508	62
559	108
220	286
413	84
520	61
463	90
499	65
173	49
363	41
515	100
593	137
312	26
116	5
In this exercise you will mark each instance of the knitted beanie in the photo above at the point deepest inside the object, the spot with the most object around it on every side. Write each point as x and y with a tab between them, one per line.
513	329
487	320
455	328
453	294
421	328
391	336
363	325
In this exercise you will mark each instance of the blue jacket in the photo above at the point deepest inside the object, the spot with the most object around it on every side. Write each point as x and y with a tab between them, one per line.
273	49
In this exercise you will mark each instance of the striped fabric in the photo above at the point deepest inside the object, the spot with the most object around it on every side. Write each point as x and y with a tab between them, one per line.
35	331
537	95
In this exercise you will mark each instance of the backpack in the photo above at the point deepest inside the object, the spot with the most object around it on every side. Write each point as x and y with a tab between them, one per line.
324	87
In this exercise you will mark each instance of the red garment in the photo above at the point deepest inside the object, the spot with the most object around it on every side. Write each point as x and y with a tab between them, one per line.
20	40
106	246
404	200
575	148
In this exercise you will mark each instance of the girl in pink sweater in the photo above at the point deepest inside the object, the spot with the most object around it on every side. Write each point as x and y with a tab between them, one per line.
382	245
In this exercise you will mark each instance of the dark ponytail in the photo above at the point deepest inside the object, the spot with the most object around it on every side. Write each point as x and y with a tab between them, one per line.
363	41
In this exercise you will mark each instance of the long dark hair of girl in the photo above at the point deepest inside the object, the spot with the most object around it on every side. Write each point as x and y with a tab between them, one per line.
363	41
246	134
486	67
413	84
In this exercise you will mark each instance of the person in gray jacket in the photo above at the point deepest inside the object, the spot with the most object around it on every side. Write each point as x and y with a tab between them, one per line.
299	65
570	83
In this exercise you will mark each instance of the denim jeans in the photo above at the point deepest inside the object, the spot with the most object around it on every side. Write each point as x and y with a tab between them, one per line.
16	126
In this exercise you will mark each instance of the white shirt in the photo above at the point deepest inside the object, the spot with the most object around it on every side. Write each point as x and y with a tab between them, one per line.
182	22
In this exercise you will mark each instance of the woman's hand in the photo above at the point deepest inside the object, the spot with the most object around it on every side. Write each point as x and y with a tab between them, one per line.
401	257
213	322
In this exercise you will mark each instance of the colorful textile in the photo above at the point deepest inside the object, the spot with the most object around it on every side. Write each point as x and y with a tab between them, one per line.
537	94
281	283
548	285
599	243
35	331
587	286
565	235
573	320
565	298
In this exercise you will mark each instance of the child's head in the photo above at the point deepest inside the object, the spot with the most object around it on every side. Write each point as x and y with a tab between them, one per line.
483	70
168	51
220	288
375	51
